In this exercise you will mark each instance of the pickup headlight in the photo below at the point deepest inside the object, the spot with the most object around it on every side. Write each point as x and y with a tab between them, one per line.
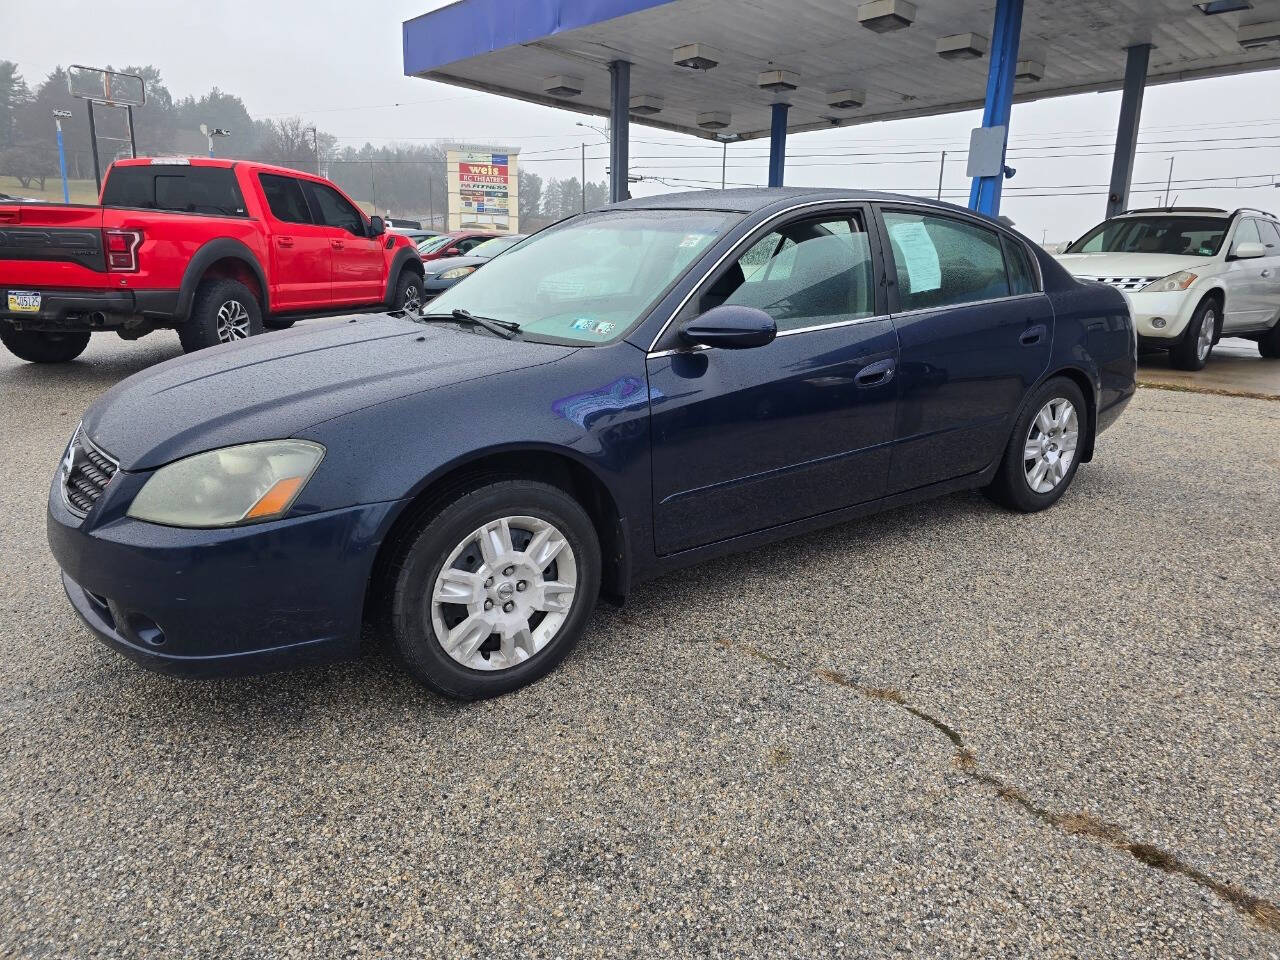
457	273
224	488
1173	283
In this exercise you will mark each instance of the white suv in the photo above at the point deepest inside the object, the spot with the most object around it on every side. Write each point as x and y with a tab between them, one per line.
1192	275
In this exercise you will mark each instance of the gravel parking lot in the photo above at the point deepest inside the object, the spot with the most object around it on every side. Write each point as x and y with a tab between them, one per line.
943	731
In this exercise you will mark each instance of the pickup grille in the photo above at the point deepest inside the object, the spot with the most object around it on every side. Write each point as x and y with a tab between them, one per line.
1124	283
84	474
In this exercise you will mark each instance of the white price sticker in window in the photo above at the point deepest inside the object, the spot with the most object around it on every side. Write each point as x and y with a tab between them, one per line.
919	254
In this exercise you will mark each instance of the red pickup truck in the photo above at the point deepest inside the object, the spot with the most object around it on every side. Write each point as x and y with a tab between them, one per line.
218	249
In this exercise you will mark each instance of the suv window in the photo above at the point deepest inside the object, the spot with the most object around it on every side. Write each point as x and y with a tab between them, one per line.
335	211
284	197
1022	278
803	274
176	187
942	261
1246	232
1270	236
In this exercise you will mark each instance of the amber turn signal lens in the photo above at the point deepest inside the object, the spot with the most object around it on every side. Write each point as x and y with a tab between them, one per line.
277	499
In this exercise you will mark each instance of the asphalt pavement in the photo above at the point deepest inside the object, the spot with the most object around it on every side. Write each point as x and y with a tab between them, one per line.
943	731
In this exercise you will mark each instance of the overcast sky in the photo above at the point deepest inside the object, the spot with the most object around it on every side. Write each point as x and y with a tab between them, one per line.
339	64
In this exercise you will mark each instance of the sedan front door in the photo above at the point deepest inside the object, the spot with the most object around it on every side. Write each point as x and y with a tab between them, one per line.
749	439
975	333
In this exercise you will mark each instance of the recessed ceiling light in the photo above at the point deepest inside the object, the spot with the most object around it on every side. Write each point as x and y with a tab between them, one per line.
846	99
646	105
962	46
696	56
1254	35
778	80
885	15
714	119
562	86
1029	70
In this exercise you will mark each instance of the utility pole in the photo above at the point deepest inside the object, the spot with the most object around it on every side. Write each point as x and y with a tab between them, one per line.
58	117
1168	186
584	176
941	169
724	161
315	147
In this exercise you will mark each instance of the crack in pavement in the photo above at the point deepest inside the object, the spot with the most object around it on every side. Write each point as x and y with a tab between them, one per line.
1211	391
1260	911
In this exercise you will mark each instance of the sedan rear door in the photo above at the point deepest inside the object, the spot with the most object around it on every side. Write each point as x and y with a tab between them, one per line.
975	332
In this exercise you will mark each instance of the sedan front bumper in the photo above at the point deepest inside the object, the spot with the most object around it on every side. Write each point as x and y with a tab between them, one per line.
218	602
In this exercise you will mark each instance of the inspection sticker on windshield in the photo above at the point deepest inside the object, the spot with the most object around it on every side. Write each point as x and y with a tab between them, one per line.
692	239
601	328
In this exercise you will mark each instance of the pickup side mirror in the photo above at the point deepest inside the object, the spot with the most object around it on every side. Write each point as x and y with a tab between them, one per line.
731	327
377	226
1248	251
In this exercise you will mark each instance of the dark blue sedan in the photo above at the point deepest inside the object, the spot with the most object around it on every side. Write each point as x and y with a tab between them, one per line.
629	391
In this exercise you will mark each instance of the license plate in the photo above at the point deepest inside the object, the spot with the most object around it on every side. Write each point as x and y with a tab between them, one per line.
22	302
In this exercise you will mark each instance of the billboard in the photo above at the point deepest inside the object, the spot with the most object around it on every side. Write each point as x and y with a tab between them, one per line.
483	188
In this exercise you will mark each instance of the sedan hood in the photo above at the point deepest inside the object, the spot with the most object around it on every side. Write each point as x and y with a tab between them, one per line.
277	385
1128	265
434	267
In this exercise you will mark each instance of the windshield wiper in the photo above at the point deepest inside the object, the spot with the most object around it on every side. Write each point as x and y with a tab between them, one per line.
502	328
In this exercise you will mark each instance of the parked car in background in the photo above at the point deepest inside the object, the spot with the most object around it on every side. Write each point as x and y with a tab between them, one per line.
216	249
474	478
415	236
1192	276
440	275
8	198
455	243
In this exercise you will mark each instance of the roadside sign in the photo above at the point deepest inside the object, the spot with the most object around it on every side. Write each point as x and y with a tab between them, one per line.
106	86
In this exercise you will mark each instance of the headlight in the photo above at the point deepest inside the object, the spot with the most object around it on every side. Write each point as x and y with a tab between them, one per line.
457	273
1173	283
227	487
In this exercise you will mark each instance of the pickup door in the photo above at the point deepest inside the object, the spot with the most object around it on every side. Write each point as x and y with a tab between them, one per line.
301	259
359	270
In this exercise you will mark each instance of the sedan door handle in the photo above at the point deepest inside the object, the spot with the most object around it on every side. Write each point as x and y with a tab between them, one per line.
875	374
1032	335
284	241
1266	272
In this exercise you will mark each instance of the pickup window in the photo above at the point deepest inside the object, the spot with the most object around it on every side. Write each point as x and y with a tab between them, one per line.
181	189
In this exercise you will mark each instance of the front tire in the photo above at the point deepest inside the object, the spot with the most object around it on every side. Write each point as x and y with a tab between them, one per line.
223	311
39	347
1043	453
1193	350
1269	343
409	295
490	592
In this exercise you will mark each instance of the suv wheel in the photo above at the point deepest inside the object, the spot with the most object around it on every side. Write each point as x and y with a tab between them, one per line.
39	347
1043	454
1269	343
492	591
1193	350
223	311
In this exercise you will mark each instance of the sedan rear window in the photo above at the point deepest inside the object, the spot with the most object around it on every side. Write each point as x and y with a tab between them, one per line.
177	187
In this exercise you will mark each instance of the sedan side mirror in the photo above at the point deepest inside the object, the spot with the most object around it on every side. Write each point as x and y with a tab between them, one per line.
377	226
1248	251
731	327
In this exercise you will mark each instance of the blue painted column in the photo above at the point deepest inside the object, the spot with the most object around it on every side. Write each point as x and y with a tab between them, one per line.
984	197
619	128
778	144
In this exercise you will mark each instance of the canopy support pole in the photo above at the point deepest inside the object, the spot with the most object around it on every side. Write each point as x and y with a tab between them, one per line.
984	196
778	144
1135	84
619	129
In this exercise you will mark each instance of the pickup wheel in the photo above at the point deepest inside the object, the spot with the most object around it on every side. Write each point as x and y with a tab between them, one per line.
223	311
408	292
39	347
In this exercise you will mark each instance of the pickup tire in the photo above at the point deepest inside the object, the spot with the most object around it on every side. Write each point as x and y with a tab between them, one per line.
278	323
409	294
39	347
223	311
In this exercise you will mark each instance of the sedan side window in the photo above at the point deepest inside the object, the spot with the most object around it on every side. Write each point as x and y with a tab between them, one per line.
335	211
1021	277
804	274
941	261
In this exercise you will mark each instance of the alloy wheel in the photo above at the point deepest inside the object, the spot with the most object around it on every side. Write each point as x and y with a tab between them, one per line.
1051	443
1204	343
412	299
503	593
233	322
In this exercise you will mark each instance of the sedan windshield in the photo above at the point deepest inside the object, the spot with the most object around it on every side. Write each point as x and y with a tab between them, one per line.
1178	235
591	279
491	248
431	244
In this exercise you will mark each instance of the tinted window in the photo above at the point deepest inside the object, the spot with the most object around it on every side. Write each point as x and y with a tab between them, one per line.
803	274
175	187
941	261
284	197
1270	236
335	211
1178	235
1021	277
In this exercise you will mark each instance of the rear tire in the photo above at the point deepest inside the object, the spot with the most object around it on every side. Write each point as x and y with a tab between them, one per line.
491	652
1043	453
39	347
1192	352
1269	343
278	323
223	311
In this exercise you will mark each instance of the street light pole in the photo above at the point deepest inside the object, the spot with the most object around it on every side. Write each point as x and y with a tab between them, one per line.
1168	187
58	117
605	135
211	132
942	166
